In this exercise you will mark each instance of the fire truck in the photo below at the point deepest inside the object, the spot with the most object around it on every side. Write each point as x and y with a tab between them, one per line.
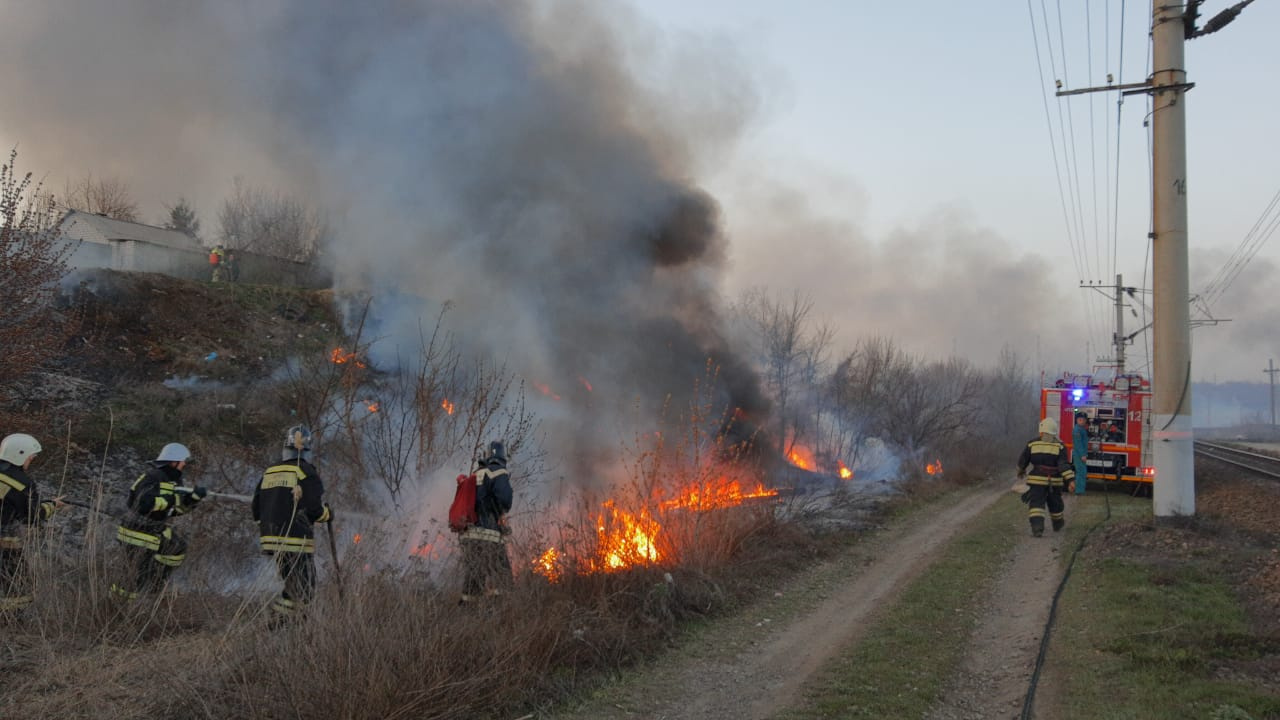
1119	412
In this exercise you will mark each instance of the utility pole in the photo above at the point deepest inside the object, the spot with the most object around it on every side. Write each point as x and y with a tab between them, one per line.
1174	493
1271	370
1172	23
1118	338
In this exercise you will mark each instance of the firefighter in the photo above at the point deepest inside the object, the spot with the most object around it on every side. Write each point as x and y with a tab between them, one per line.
1045	467
19	505
486	566
152	549
1080	450
217	262
287	504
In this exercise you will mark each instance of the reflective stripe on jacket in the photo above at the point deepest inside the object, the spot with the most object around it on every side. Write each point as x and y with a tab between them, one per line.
1045	462
289	500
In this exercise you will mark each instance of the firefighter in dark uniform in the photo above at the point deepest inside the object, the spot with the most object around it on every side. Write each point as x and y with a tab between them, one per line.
287	505
19	506
486	566
1046	467
152	549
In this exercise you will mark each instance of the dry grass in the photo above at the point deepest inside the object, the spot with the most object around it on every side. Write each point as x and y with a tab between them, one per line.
393	644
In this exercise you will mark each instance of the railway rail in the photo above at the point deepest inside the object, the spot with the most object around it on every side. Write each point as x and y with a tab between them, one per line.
1245	459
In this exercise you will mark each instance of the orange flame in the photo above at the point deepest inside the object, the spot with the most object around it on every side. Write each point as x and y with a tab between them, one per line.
801	457
548	565
546	391
423	551
934	467
373	407
721	492
625	539
356	539
448	406
845	472
339	356
585	383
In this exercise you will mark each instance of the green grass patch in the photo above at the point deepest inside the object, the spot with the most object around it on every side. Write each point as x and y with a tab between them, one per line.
1146	632
900	668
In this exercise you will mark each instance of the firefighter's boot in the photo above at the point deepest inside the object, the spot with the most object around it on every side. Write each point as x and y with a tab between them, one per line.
1037	527
1058	523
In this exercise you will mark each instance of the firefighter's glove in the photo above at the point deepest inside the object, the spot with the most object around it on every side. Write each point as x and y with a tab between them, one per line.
1025	497
199	493
327	515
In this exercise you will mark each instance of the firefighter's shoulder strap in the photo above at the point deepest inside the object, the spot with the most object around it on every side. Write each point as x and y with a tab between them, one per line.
7	483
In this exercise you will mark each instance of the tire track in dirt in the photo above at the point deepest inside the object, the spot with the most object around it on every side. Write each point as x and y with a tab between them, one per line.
739	671
996	671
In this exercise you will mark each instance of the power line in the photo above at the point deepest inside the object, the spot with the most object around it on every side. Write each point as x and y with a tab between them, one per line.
1253	241
1053	146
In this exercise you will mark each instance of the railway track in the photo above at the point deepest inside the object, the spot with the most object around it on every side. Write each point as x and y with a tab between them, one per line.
1251	461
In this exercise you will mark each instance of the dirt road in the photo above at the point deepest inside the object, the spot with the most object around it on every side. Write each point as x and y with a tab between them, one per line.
753	666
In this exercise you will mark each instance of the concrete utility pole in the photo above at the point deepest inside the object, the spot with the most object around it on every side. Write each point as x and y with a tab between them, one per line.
1175	488
1118	338
1174	450
1271	370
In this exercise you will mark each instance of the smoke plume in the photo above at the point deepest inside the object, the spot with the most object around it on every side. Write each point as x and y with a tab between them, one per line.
518	159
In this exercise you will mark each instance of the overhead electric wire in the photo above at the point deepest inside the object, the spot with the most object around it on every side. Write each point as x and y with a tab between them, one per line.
1260	240
1119	114
1053	147
1069	196
1253	241
1073	164
1106	160
1093	143
1071	161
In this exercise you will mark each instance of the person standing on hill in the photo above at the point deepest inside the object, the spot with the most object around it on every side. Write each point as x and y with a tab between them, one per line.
152	549
20	506
1080	451
287	504
486	566
1045	467
233	266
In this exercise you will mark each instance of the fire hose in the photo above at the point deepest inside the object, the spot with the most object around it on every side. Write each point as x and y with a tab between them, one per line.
210	493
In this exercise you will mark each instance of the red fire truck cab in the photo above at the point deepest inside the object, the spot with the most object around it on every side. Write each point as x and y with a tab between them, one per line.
1119	412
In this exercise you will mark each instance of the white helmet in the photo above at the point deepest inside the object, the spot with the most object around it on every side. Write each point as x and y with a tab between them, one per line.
16	448
174	452
1049	426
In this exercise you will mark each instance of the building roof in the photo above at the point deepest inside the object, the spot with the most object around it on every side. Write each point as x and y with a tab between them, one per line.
80	225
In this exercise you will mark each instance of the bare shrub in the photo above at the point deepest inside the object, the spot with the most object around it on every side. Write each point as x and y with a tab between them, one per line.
32	264
271	223
101	196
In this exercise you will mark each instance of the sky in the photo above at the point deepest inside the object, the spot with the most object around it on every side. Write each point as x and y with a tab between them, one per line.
914	107
892	161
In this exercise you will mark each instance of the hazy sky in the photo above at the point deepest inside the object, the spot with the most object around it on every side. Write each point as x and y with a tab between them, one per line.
891	159
900	109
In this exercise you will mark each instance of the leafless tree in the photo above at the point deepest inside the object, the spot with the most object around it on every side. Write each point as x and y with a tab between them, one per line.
32	264
271	223
862	391
102	196
792	354
935	406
